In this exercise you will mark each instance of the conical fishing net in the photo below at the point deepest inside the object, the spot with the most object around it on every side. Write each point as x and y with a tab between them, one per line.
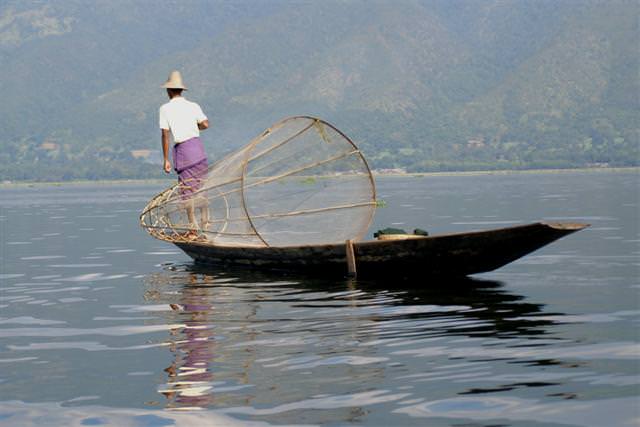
302	182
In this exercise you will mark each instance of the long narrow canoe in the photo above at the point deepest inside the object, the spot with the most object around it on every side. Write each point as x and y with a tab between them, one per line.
459	254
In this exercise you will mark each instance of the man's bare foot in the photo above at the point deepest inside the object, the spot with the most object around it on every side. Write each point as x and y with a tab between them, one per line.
194	236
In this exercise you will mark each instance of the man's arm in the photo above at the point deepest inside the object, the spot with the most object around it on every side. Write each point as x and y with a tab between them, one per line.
203	124
165	150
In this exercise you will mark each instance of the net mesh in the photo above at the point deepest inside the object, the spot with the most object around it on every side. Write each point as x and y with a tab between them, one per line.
302	182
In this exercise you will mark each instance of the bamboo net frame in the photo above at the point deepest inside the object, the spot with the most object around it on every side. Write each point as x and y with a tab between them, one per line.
300	182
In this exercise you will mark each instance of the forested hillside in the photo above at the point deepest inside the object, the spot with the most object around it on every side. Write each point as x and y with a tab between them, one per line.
419	85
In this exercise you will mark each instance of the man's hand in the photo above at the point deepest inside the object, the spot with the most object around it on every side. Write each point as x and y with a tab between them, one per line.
165	150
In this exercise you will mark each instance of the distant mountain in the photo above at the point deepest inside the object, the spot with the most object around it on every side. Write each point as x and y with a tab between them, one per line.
427	85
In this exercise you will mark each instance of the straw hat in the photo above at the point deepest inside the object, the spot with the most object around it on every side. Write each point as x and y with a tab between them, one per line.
174	81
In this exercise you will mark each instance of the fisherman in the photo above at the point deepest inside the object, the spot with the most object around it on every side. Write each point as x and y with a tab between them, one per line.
184	120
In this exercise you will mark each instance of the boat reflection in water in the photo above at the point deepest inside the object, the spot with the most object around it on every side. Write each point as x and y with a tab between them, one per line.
255	340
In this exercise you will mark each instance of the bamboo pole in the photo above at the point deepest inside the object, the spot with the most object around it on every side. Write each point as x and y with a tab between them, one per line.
295	213
280	144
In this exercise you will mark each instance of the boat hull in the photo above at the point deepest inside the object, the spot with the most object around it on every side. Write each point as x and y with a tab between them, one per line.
459	254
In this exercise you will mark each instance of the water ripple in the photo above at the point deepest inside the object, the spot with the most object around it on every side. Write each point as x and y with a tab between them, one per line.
122	330
619	412
329	402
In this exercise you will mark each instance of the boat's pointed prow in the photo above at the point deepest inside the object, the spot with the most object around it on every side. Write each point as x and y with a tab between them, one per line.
570	227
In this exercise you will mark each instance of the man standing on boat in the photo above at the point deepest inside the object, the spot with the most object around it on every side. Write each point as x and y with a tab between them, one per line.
184	120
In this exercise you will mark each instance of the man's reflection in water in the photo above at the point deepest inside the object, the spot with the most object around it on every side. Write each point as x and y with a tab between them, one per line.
189	375
197	304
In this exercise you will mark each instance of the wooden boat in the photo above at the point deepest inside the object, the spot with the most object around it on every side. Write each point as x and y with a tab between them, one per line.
455	255
289	198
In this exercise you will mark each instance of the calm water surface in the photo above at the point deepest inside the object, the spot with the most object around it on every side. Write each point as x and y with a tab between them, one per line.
102	325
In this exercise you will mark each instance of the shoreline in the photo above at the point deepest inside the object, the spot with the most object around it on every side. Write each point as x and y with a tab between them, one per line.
171	180
512	172
86	182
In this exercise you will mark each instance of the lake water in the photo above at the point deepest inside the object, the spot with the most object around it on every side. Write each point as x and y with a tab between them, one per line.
102	325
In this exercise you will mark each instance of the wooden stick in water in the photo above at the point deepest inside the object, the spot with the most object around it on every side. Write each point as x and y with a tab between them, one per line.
351	259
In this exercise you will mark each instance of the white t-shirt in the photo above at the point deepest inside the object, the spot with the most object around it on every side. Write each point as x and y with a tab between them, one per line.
182	118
